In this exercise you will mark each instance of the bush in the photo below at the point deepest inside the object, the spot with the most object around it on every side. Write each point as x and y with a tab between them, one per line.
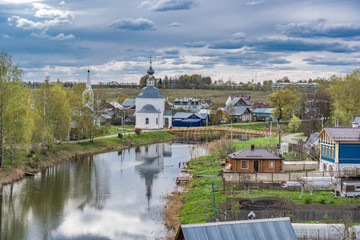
307	200
294	124
322	200
137	130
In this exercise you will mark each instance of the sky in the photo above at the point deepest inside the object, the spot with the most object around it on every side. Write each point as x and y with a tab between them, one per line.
236	40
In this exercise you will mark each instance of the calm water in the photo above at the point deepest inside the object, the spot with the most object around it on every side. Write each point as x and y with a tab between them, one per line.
115	195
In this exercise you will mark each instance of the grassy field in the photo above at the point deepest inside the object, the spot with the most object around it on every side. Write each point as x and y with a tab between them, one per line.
218	97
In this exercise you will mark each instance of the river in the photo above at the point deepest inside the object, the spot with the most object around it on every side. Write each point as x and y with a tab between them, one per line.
114	195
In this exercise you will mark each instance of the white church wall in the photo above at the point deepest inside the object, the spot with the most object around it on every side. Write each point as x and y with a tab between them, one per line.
158	103
152	124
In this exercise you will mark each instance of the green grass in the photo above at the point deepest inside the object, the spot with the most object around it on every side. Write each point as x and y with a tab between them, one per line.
258	142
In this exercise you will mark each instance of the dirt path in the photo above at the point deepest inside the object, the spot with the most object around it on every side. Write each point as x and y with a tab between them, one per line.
290	138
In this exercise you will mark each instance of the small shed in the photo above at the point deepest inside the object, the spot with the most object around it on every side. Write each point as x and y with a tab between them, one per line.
255	160
185	119
260	229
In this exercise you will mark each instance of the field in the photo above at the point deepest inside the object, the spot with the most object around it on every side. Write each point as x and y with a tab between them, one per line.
218	97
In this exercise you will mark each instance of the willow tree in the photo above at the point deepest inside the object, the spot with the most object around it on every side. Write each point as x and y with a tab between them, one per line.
13	106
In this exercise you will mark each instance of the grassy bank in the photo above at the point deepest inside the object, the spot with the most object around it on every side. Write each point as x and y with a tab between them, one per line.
66	151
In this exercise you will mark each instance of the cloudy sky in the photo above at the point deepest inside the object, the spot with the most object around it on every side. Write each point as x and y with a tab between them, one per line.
228	39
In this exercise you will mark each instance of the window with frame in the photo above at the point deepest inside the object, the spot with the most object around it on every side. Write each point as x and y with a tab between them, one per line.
272	164
146	120
244	164
157	121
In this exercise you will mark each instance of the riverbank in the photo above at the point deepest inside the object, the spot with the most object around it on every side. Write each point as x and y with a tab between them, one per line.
67	151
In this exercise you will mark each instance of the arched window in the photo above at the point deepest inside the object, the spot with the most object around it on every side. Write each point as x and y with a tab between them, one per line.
146	120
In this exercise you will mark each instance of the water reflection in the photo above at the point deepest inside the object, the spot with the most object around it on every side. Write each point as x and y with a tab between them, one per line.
116	195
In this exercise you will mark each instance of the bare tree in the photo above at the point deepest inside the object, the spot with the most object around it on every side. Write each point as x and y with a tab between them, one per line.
304	183
245	182
335	180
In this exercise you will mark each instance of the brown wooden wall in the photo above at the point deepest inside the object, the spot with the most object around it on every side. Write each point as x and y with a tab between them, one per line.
264	165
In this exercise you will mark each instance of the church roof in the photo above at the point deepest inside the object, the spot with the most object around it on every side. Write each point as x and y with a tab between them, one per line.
150	92
148	108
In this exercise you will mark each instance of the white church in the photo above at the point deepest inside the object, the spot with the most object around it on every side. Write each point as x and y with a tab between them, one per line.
150	106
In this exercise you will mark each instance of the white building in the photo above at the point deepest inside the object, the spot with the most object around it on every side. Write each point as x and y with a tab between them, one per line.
150	106
189	104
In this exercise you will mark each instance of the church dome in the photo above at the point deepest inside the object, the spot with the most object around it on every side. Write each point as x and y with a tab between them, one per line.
150	92
150	71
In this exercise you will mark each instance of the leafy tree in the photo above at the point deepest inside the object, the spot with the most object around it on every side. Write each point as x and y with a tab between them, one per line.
14	107
345	92
53	108
294	124
284	102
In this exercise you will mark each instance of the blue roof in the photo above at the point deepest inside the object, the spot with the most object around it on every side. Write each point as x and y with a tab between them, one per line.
260	229
182	115
168	113
150	92
237	99
264	110
357	119
148	108
128	102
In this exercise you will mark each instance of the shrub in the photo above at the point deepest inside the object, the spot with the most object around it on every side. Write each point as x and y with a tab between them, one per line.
137	130
307	200
322	200
294	124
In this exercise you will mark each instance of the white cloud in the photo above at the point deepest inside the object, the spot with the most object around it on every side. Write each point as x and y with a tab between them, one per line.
59	37
175	24
53	17
5	36
255	2
18	1
62	2
239	35
139	24
145	4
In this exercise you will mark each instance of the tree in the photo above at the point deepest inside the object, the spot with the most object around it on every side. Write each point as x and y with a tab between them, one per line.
53	110
121	98
10	80
294	124
284	102
345	92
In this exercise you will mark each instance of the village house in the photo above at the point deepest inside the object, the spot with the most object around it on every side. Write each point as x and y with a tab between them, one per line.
128	103
188	104
254	160
263	114
238	101
339	148
238	114
186	119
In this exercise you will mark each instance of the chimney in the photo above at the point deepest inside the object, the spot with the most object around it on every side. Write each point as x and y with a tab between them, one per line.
252	147
355	124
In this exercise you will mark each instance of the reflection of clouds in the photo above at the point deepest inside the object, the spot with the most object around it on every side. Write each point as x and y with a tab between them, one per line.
106	223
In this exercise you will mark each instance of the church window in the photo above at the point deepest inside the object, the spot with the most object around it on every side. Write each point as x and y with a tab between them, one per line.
146	120
157	122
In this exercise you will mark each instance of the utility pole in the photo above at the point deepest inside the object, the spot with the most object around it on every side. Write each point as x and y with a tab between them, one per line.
270	129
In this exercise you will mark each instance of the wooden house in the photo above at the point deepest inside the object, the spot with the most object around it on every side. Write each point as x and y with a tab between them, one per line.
255	160
339	148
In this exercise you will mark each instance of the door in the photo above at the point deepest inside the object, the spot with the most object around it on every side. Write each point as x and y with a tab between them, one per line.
256	166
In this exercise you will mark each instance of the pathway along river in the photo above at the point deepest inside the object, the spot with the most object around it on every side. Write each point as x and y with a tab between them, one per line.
114	195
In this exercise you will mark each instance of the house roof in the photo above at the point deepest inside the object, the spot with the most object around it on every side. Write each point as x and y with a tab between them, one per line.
168	113
150	92
342	134
357	119
148	108
260	229
264	110
116	105
128	102
182	115
257	153
238	110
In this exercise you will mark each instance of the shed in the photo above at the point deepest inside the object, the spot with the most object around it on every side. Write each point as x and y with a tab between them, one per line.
260	229
255	160
185	119
264	114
